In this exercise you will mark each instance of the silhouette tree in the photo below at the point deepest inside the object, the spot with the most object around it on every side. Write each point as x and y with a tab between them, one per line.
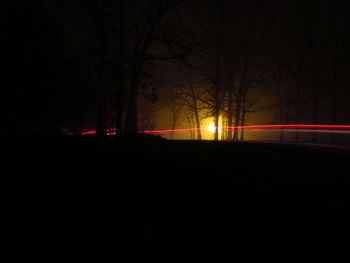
152	42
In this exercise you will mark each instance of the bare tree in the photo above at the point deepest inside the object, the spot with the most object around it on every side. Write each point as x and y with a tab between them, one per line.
150	40
172	103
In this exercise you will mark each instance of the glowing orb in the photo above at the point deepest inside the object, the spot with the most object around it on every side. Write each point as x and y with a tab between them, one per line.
211	128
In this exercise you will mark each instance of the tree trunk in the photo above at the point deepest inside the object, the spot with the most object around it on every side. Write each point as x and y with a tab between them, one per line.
198	125
131	123
282	134
172	132
284	120
196	114
101	113
175	116
193	126
244	113
223	124
335	79
243	123
298	113
217	111
101	103
280	106
315	115
230	114
238	109
119	107
216	121
190	125
173	128
121	74
334	105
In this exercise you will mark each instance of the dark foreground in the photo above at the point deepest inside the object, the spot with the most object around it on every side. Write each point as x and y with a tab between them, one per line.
78	198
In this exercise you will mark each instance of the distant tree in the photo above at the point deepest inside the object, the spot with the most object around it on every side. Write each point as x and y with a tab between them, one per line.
310	53
253	36
282	88
153	40
192	95
172	103
211	61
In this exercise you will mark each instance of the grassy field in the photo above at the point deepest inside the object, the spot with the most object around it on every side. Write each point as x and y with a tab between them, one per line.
169	201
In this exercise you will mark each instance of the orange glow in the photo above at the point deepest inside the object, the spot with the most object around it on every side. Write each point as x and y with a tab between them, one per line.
211	128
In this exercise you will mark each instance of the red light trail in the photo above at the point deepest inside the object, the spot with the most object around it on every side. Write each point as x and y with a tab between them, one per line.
256	128
261	128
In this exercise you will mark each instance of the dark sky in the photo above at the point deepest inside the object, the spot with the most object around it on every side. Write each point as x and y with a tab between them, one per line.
306	40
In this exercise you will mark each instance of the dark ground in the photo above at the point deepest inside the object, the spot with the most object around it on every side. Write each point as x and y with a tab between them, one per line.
81	198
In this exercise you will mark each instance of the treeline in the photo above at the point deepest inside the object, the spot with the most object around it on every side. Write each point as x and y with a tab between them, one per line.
79	65
296	52
85	65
